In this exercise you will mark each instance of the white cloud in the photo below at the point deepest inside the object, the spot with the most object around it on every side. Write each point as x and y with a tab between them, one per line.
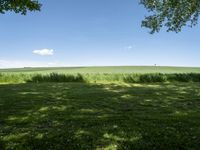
129	47
29	63
44	52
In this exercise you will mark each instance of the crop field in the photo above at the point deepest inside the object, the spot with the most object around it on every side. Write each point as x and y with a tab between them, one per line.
100	108
111	69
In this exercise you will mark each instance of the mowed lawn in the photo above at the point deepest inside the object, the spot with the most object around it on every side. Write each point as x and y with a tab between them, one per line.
74	116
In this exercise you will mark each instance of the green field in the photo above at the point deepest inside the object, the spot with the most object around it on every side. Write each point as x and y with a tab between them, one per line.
117	69
64	111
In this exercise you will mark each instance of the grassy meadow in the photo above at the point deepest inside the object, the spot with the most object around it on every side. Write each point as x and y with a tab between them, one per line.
102	108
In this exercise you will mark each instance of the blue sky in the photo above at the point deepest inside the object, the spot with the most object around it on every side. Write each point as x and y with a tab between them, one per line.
92	33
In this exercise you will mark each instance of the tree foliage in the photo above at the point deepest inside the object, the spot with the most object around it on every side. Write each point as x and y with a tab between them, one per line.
172	14
19	6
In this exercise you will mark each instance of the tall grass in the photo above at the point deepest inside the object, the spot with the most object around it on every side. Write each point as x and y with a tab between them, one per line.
55	77
14	77
91	78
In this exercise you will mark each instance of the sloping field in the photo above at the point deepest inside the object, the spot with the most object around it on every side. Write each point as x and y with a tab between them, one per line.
111	69
102	108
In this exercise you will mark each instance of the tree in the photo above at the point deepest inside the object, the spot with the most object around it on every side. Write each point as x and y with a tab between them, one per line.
19	6
172	14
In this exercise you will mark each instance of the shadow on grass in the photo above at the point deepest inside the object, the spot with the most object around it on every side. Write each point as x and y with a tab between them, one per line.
99	116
